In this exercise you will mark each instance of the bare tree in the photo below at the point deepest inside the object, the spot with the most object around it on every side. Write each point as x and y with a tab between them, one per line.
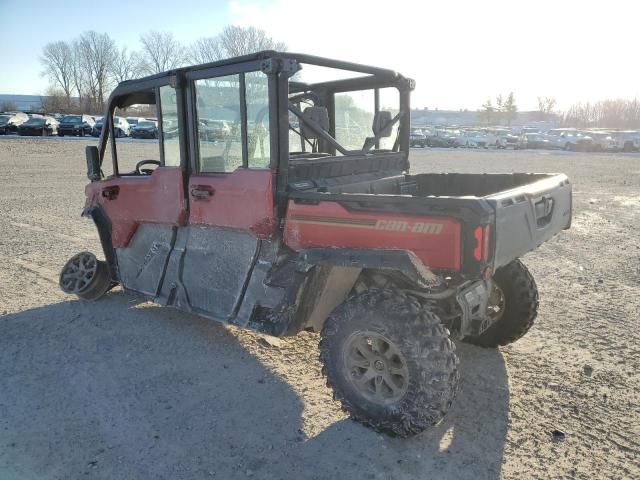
233	41
205	50
546	106
610	113
98	51
238	41
487	112
161	52
510	108
78	71
125	66
57	59
55	100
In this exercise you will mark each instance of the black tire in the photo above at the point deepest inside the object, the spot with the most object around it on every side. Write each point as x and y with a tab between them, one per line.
425	349
520	307
60	134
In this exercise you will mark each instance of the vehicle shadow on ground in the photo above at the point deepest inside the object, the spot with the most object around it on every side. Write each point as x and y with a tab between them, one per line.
122	389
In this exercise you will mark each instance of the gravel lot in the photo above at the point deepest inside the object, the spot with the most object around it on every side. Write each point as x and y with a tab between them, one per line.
123	389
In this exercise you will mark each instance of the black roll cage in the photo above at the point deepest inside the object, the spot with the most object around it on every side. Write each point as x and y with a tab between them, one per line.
279	68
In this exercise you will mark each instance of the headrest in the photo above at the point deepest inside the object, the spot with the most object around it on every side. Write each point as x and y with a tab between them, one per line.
319	115
381	119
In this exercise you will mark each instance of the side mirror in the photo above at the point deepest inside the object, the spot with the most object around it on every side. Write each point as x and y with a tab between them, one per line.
93	163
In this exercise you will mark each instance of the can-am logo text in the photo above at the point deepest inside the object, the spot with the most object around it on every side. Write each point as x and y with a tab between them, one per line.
402	226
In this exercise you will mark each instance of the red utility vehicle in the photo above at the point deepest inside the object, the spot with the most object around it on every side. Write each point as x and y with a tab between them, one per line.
303	214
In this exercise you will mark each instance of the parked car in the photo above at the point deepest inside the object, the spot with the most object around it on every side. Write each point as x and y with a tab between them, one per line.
39	126
417	138
120	125
441	138
79	125
563	138
584	142
9	122
603	142
212	130
471	139
627	141
532	140
133	121
500	138
144	129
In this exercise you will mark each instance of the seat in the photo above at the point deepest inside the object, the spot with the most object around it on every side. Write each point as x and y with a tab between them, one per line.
317	115
382	127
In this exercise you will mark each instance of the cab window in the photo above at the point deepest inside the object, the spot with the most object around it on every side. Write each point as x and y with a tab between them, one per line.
232	121
132	146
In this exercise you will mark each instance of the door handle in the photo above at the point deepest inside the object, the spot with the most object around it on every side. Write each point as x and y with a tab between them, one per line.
111	193
202	192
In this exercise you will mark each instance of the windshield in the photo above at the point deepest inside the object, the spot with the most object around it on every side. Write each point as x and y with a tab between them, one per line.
35	121
72	119
146	124
5	118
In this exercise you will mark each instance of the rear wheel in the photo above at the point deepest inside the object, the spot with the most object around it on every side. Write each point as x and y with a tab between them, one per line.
390	362
85	276
513	306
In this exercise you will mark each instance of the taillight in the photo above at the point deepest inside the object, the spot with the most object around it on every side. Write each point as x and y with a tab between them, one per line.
477	251
486	241
482	236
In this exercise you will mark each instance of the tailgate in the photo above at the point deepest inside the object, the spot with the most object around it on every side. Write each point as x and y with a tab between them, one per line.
529	215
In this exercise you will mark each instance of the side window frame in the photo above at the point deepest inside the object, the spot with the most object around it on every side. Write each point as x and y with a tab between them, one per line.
192	113
109	127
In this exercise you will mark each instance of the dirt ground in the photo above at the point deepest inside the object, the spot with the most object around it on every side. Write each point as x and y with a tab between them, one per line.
121	389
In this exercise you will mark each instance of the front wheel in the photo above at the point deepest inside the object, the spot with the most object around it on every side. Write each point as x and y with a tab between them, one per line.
513	306
85	276
390	362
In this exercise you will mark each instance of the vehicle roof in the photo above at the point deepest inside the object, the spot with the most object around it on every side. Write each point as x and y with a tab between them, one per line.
266	54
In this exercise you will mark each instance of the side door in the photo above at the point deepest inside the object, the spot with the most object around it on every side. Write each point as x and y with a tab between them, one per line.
143	200
230	187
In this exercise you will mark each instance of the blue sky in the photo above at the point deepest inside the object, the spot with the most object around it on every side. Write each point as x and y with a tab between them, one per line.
460	53
42	21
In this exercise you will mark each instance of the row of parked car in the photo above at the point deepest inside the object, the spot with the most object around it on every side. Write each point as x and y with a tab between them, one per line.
591	140
74	125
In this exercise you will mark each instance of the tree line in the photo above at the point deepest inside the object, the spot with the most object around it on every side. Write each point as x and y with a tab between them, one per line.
82	72
504	109
609	113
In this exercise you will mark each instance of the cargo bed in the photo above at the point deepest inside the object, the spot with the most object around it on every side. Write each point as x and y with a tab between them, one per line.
523	209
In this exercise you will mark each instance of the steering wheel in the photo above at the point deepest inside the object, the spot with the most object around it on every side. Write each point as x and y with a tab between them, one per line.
146	171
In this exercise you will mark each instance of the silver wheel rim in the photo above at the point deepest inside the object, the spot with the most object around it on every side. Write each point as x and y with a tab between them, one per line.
375	367
496	304
78	273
